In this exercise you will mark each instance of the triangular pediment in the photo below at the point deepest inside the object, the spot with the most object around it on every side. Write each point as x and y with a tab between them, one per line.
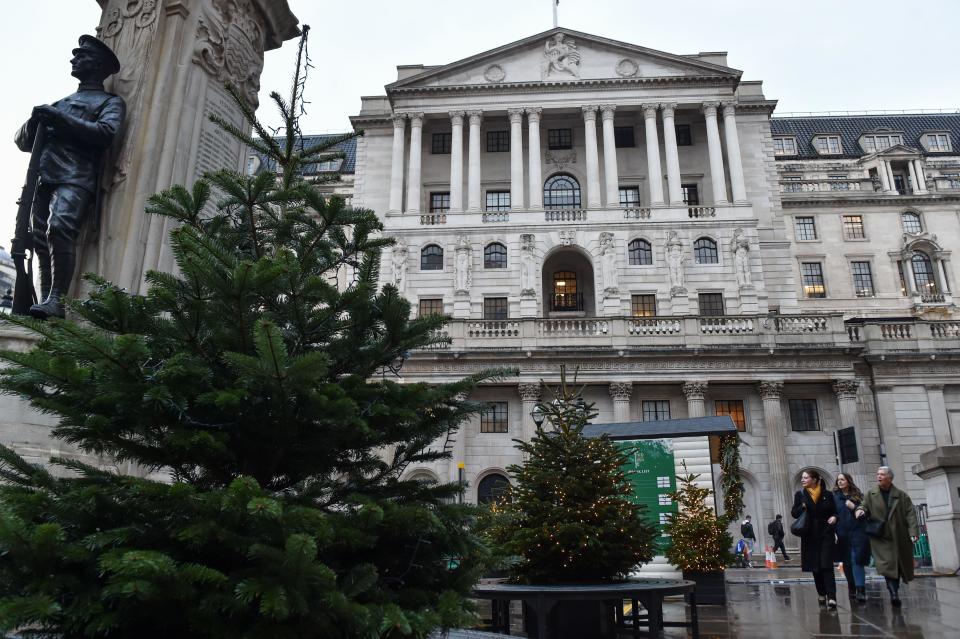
895	151
563	55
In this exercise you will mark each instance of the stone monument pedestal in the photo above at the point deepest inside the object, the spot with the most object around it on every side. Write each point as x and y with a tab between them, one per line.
748	300
461	305
528	306
679	302
940	471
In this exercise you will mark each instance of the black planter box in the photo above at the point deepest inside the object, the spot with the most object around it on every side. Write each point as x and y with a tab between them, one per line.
711	587
572	620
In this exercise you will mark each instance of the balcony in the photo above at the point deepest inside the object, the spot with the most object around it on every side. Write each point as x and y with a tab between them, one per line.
906	336
566	303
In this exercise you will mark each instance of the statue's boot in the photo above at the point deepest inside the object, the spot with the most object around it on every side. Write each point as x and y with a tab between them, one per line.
64	259
43	267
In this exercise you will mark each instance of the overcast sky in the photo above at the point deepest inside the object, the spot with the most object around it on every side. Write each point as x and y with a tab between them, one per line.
812	55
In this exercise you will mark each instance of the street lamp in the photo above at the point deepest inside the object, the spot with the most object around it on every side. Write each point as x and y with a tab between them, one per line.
538	415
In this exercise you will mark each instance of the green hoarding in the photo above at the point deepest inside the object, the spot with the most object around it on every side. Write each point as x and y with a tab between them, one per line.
651	469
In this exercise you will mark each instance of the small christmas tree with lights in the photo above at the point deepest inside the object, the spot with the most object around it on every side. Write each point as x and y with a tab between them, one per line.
568	517
699	541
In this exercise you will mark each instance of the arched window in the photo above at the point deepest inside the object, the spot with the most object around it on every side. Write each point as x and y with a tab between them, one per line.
705	251
911	222
495	255
491	488
561	191
923	278
431	258
641	253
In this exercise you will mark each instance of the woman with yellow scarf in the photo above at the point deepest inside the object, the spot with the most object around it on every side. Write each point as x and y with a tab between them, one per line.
817	534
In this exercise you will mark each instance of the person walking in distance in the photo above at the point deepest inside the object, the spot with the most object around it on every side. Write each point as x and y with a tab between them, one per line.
893	531
749	536
775	530
852	541
814	505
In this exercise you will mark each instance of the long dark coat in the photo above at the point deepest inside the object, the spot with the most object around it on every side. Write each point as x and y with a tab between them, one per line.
818	546
893	551
852	532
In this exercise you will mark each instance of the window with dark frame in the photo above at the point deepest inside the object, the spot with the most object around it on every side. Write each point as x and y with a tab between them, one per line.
623	137
691	194
439	202
561	191
853	227
495	255
495	308
431	258
640	252
803	415
811	278
911	222
497	201
705	251
684	136
710	304
498	141
494	419
492	488
643	305
862	279
733	408
431	306
806	227
923	278
630	197
440	143
653	410
559	139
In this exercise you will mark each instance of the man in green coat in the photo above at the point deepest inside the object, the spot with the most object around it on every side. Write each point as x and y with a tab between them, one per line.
893	548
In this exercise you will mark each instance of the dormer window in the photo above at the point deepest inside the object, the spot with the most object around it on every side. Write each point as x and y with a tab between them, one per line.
785	145
827	144
937	142
880	141
329	165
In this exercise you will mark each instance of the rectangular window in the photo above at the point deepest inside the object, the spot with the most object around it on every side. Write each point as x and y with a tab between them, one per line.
838	182
498	141
329	165
803	415
784	146
684	137
938	142
440	143
853	227
439	202
559	139
498	201
806	228
623	137
494	418
655	409
691	194
827	144
431	306
629	197
494	308
643	305
710	304
862	279
733	408
811	275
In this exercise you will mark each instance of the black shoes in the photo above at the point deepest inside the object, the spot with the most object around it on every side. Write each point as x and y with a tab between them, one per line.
862	594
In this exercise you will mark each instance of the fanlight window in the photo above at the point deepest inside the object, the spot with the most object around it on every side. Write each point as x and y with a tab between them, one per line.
431	258
561	191
705	251
491	488
641	253
495	256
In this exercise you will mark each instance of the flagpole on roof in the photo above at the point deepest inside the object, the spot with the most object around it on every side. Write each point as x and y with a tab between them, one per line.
555	4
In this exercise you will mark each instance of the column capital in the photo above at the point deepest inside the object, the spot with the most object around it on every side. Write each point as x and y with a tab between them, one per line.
694	389
456	117
607	110
937	388
668	108
416	118
649	110
729	107
399	120
710	108
620	391
589	112
770	389
475	117
515	115
529	391
534	113
846	388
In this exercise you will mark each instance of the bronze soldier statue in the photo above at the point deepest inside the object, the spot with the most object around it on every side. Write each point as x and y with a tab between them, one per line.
77	131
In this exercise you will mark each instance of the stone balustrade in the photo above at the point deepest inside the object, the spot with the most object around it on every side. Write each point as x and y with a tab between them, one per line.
888	336
833	187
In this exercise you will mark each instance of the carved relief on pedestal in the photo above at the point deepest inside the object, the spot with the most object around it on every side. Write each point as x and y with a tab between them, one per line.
230	45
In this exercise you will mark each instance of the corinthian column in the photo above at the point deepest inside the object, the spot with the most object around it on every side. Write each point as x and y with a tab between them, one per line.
733	152
530	397
516	158
654	172
673	156
473	176
396	169
717	180
770	392
610	173
534	170
456	161
413	168
846	392
694	392
620	393
593	159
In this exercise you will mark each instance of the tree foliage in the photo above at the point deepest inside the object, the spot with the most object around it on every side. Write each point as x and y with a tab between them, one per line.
699	541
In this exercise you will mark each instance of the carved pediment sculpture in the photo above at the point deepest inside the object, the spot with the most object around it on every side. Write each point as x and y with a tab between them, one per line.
561	58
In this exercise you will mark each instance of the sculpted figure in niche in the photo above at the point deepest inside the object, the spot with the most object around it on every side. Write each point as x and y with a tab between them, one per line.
608	264
71	137
740	247
461	267
675	260
528	265
561	56
399	259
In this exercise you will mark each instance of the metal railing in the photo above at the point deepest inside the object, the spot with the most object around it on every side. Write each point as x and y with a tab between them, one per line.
560	302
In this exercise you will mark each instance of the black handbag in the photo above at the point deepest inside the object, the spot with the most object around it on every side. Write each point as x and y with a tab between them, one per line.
876	527
801	525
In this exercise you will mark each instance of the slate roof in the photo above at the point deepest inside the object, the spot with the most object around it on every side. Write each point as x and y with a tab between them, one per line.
851	127
348	147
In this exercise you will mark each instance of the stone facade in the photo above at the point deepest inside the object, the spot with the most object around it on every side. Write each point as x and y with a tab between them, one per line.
629	212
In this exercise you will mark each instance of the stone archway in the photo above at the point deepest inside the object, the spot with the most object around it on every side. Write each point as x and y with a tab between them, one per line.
568	285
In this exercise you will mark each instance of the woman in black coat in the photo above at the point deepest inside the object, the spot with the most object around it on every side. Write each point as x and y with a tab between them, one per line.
818	541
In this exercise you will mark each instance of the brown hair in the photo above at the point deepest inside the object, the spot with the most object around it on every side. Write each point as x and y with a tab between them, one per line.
851	486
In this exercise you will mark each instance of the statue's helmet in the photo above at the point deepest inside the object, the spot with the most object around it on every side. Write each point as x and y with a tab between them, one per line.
101	51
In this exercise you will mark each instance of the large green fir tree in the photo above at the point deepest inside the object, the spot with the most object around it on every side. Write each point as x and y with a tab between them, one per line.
263	393
569	516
